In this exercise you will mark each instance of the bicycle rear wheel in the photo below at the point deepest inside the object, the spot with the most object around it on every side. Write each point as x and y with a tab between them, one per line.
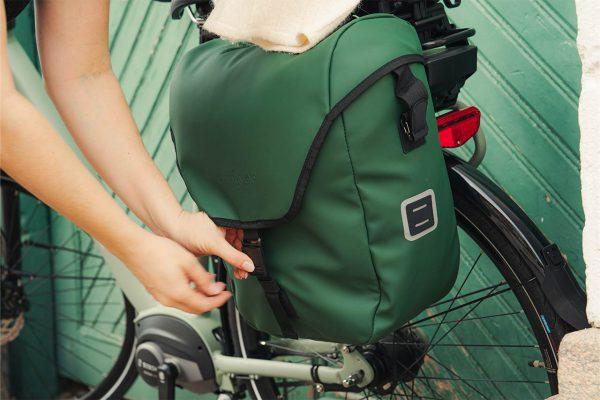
495	336
71	326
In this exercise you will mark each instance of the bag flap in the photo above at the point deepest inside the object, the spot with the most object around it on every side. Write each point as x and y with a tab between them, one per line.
248	124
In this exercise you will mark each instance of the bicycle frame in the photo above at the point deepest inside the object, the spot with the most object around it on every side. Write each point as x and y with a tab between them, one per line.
557	279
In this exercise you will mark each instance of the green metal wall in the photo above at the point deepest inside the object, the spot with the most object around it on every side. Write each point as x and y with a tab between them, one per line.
527	88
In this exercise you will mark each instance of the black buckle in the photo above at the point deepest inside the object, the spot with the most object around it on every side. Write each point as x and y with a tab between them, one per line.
251	241
279	302
252	247
553	256
413	122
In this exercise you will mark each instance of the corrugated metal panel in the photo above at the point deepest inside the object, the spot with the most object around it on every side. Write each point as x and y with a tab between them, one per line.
528	88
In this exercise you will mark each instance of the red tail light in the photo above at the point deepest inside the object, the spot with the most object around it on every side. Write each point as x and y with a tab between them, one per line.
457	127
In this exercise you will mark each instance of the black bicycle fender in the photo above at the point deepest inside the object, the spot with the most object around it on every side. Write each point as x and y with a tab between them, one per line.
544	258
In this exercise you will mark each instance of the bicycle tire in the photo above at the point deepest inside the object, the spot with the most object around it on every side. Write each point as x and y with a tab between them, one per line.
123	373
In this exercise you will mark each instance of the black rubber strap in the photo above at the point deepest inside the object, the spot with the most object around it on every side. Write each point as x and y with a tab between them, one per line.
413	123
278	301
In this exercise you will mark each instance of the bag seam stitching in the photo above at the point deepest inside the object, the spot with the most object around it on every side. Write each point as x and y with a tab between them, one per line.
364	216
354	179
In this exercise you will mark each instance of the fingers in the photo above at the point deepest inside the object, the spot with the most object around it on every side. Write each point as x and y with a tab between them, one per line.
234	237
206	296
203	280
230	235
239	237
214	288
240	274
194	302
234	257
201	304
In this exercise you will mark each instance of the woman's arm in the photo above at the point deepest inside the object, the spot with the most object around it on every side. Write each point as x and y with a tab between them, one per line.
33	154
75	59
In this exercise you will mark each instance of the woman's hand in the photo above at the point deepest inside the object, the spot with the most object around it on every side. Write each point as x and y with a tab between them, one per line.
173	275
199	234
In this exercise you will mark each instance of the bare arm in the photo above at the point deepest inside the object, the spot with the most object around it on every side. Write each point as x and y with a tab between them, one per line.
72	39
35	156
73	45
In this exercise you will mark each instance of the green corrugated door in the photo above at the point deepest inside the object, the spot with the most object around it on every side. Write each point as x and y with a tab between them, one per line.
528	88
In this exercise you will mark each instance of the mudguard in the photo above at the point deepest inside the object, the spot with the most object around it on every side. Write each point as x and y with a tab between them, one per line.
544	258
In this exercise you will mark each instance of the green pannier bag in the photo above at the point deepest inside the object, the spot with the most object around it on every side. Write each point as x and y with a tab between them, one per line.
330	162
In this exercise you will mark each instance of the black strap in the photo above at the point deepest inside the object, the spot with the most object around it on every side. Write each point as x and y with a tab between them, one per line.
280	304
413	123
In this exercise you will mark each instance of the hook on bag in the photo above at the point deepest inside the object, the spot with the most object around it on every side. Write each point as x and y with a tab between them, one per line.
197	21
452	3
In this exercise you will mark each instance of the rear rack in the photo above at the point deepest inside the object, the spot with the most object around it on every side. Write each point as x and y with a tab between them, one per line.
449	57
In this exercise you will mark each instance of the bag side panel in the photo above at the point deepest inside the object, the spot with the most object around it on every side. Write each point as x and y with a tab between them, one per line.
413	274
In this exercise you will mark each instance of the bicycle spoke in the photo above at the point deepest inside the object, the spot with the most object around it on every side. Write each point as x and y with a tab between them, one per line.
457	376
43	349
37	373
31	275
432	391
78	303
55	248
78	357
74	340
85	323
483	380
106	297
71	289
474	318
53	219
503	282
38	351
455	297
429	347
488	296
520	346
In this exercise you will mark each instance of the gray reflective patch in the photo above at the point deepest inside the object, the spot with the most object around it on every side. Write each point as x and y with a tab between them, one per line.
419	215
